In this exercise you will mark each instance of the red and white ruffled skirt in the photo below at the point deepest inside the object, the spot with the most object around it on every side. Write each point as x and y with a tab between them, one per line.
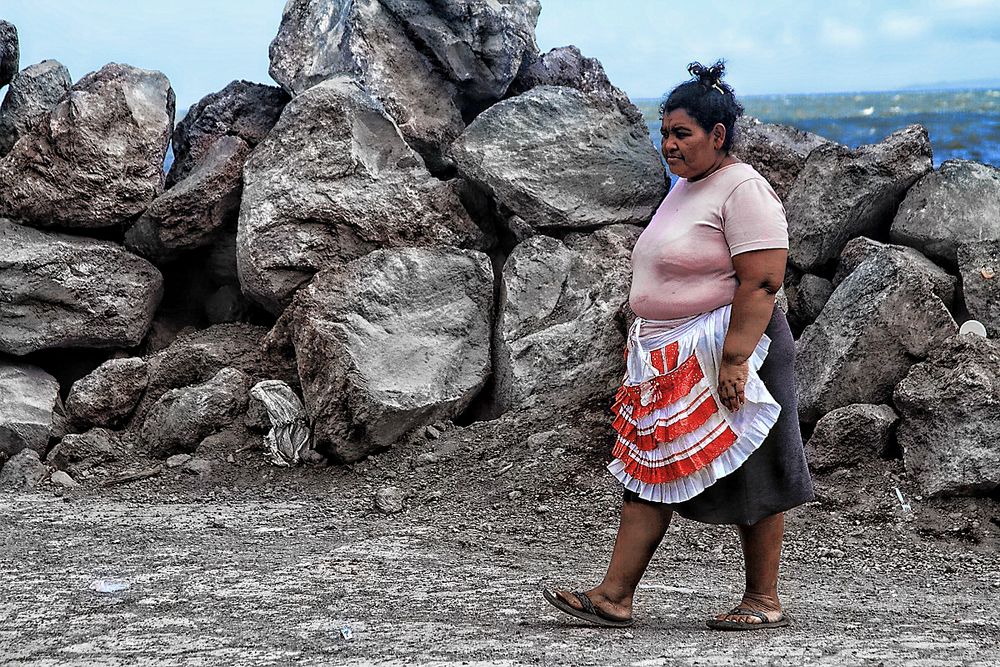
674	436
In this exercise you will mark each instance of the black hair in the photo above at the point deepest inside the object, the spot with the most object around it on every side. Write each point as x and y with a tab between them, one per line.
707	99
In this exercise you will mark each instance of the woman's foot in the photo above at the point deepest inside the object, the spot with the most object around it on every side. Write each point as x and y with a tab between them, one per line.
619	610
767	612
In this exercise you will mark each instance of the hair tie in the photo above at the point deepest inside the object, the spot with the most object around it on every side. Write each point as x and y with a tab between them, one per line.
718	88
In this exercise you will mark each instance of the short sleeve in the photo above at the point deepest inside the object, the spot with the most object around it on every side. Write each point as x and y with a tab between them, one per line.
753	218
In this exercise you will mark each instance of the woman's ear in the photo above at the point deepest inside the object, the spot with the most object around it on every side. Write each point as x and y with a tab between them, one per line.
718	136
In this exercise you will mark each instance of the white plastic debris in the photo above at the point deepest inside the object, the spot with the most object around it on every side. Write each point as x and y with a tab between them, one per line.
109	585
905	505
289	438
346	632
973	327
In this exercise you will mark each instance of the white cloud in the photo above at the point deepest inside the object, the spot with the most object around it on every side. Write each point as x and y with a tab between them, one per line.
842	35
904	26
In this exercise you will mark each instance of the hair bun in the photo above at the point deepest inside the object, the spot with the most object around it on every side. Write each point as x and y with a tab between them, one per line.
708	76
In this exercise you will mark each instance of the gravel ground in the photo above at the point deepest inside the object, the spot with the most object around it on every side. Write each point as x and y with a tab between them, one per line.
256	565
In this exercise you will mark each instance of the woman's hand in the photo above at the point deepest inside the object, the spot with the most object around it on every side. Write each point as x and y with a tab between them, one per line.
732	381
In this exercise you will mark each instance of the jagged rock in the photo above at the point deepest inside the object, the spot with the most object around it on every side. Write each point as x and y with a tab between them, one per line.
63	479
195	212
850	435
879	320
777	152
958	202
558	159
557	341
806	300
241	110
28	400
389	500
67	291
102	147
32	94
979	265
197	357
107	396
76	453
333	181
566	66
391	342
197	466
182	418
950	418
862	248
428	62
23	471
842	193
10	53
177	460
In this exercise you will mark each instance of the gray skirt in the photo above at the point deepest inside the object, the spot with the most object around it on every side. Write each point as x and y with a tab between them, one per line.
776	477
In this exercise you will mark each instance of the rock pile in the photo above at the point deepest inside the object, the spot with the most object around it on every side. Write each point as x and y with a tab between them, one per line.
430	221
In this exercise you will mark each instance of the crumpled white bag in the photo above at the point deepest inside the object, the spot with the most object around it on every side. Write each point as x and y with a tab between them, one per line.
290	438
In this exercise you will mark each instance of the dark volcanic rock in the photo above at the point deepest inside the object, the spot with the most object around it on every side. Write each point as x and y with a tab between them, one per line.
28	400
428	62
558	159
950	407
107	396
861	249
842	193
197	210
32	94
777	152
58	290
566	66
806	300
333	181
102	147
850	435
557	341
957	203
881	318
242	109
10	53
23	471
979	264
182	418
390	342
78	452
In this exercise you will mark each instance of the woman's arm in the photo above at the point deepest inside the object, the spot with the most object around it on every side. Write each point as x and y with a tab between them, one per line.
760	273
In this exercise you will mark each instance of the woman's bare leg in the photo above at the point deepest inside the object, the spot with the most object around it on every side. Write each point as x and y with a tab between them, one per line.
761	544
641	529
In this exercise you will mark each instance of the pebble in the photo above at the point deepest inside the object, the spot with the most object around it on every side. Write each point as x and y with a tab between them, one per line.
63	479
178	460
389	500
432	433
198	466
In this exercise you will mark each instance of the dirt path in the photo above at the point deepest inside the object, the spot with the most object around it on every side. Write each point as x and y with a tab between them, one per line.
268	574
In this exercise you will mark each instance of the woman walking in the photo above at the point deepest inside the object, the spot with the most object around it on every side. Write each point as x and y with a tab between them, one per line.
706	418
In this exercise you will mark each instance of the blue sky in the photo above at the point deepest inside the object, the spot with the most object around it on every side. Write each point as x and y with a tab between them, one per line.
772	46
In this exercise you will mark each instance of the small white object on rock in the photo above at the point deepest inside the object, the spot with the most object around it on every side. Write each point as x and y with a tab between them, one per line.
198	466
432	433
63	479
389	500
178	460
973	327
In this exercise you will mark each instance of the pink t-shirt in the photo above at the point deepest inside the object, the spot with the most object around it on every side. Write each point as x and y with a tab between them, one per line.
682	263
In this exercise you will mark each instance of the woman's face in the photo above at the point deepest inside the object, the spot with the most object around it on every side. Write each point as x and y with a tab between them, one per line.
690	151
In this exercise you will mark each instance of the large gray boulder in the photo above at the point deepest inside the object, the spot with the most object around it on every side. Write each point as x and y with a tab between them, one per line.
58	290
28	400
557	341
959	202
30	97
10	53
842	193
806	299
242	110
777	152
195	212
979	266
182	418
108	394
23	471
333	181
560	160
862	249
390	342
429	62
881	318
567	66
950	419
848	436
102	147
79	452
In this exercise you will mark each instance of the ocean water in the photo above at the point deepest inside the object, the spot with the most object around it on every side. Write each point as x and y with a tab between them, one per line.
962	124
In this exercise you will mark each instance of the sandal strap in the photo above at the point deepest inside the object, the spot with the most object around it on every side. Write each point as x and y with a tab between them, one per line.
743	611
585	602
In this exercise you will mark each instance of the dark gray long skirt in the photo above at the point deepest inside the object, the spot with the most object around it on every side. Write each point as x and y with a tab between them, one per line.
776	477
